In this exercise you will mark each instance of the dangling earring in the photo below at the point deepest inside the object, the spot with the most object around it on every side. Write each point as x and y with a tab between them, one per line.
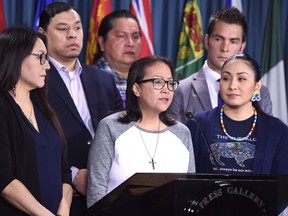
256	96
14	91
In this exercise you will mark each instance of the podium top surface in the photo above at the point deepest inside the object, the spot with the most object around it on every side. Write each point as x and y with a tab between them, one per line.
140	183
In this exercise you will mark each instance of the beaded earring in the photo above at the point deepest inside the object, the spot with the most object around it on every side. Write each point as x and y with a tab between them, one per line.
256	96
14	91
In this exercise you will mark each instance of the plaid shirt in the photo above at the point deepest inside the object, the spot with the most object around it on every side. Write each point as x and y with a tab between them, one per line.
121	82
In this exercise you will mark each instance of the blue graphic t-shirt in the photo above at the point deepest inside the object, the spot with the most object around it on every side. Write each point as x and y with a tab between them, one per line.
230	156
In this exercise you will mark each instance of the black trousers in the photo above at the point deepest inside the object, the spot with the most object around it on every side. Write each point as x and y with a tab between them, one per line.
78	206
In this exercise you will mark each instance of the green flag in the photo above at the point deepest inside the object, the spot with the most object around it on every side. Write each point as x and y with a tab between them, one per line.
272	62
190	51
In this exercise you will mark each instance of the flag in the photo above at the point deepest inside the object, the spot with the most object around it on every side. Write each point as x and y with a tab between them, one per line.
2	17
40	6
234	3
190	50
272	62
100	9
142	10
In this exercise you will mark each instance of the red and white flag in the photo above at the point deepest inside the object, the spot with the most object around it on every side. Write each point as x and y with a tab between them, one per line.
142	10
2	17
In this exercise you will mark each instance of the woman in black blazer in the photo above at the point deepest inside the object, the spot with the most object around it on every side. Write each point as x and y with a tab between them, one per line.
34	176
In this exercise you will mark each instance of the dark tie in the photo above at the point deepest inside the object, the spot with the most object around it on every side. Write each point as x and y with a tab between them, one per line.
220	101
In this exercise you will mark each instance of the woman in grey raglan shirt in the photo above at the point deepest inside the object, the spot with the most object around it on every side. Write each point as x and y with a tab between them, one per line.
142	138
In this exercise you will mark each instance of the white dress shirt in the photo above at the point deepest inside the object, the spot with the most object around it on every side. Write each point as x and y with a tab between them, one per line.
212	78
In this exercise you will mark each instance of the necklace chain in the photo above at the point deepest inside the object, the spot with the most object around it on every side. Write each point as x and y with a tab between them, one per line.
231	137
31	111
152	157
30	117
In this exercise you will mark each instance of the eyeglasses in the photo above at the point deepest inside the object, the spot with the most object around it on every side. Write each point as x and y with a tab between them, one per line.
159	83
42	57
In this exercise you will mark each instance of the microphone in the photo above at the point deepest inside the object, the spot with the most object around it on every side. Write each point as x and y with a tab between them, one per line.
189	115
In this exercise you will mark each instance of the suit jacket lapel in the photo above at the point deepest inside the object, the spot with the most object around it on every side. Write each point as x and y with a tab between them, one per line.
201	89
58	84
88	83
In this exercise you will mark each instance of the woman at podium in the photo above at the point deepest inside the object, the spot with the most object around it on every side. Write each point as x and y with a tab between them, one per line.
142	138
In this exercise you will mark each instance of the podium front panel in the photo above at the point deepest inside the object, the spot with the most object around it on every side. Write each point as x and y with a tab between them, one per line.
149	194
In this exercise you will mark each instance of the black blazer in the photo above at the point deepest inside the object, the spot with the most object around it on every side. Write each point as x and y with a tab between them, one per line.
18	156
102	98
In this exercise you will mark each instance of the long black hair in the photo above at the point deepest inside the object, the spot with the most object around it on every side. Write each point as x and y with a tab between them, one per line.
16	43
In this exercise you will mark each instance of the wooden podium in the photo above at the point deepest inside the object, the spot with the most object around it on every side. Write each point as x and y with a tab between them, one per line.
170	194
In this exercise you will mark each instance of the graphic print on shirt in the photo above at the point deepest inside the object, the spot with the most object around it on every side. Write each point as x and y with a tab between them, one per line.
240	151
230	156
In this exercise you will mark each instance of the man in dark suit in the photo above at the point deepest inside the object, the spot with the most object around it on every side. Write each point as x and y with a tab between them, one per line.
226	36
81	95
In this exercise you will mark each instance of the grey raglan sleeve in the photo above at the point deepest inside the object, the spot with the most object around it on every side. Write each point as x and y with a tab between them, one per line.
184	135
187	140
100	158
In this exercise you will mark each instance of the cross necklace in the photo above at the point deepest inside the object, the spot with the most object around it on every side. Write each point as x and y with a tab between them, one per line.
152	157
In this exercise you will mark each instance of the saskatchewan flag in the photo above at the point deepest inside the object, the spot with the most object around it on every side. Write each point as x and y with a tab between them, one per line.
272	62
190	50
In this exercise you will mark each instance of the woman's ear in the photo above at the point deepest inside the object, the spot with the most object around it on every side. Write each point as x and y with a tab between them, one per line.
136	90
258	85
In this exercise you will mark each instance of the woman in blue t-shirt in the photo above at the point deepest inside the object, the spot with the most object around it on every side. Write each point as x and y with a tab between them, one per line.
241	138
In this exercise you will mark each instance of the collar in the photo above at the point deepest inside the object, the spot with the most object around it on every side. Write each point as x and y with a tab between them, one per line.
103	64
211	75
62	69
